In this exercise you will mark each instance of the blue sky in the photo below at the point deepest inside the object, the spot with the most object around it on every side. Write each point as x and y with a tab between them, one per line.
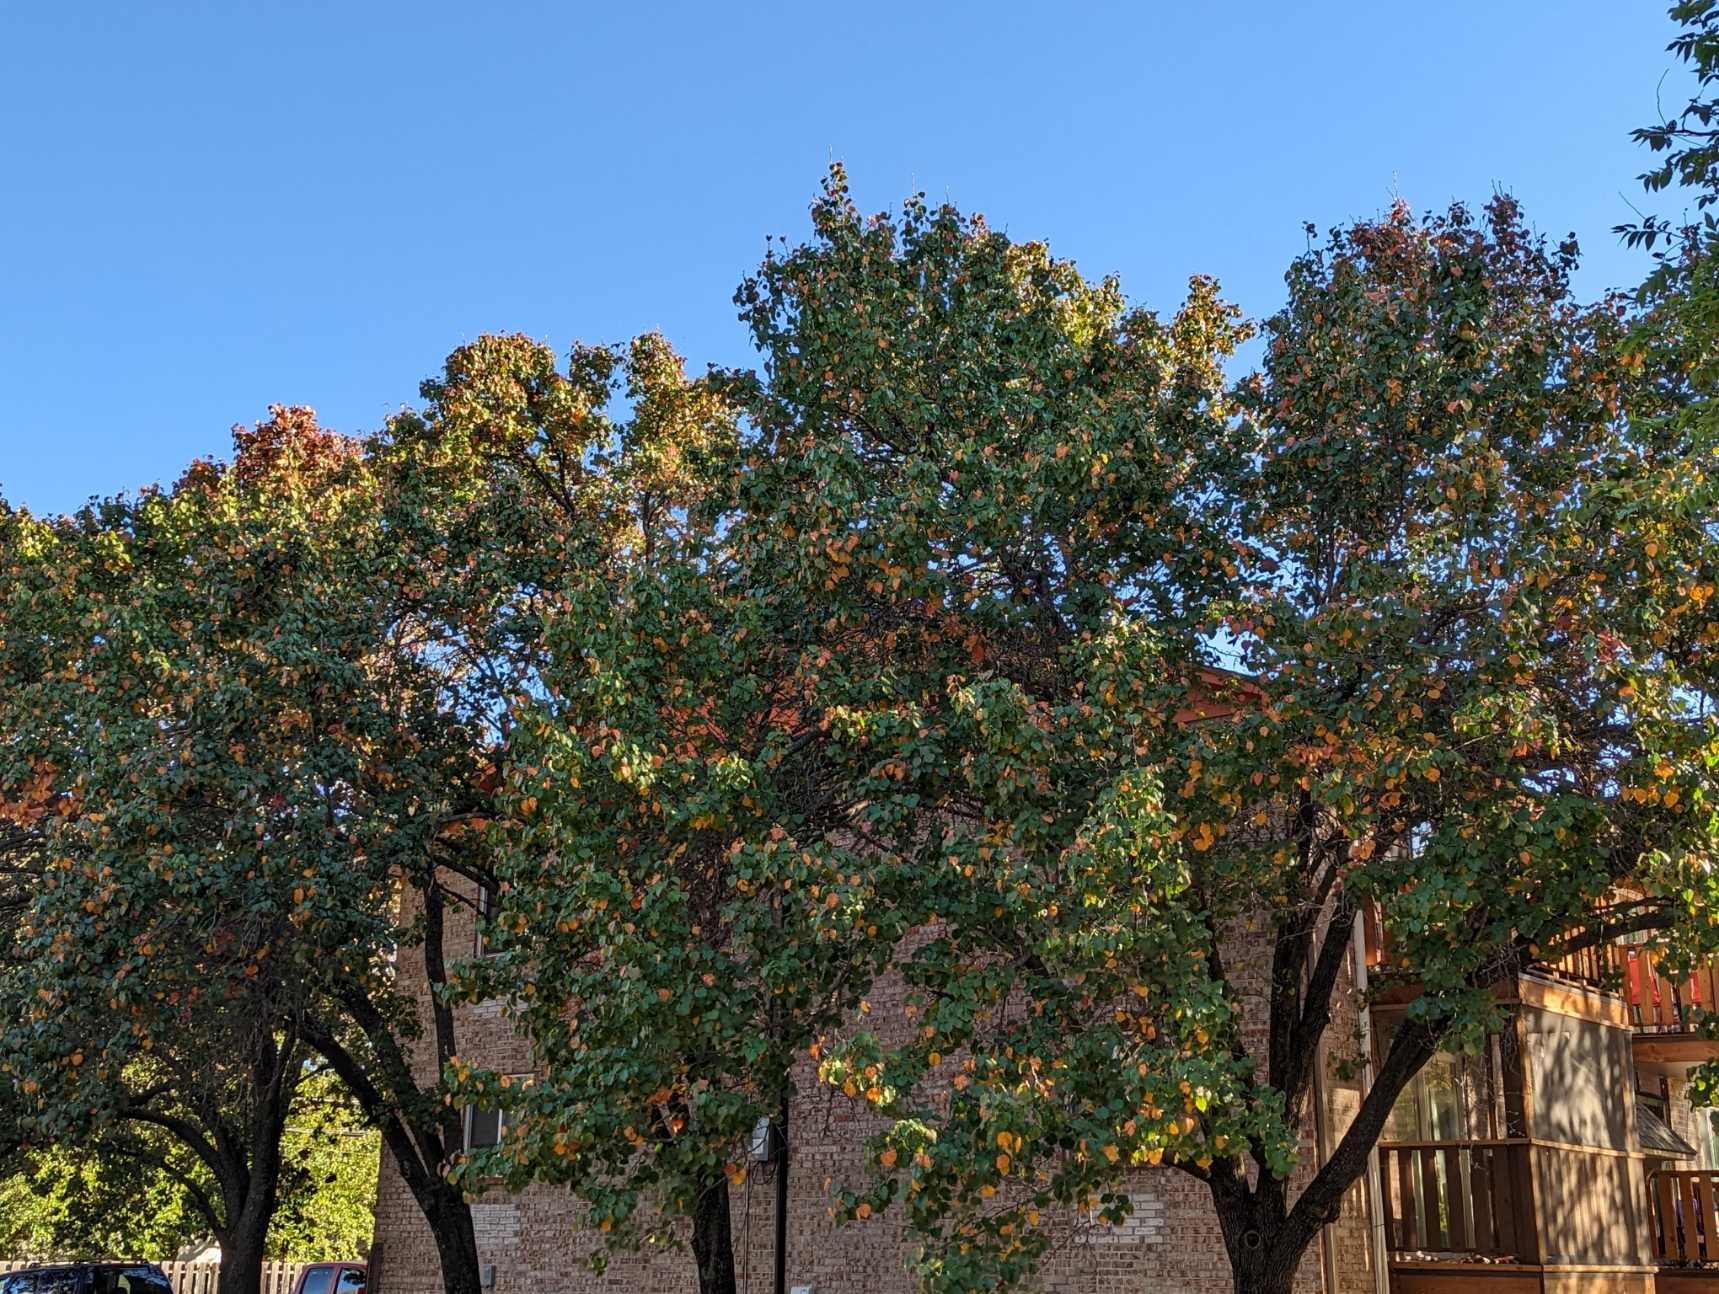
208	208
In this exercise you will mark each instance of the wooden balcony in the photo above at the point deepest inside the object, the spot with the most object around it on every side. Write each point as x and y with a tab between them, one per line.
1659	1005
1459	1200
1685	1222
1664	1012
1685	1217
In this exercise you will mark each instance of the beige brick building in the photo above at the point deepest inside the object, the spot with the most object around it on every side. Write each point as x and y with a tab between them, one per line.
1552	1163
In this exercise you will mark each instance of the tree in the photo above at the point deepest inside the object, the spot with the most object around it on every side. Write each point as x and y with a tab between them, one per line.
643	857
330	1161
1674	343
276	703
755	761
492	494
1454	609
106	1201
81	1204
192	736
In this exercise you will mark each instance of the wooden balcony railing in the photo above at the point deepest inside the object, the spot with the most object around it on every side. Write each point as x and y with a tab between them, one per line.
1657	1004
1661	1005
1685	1219
1459	1197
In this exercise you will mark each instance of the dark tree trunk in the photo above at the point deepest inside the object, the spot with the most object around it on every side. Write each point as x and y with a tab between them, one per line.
423	1133
1265	1236
242	1253
450	1219
275	1074
1265	1233
418	1146
713	1240
246	1168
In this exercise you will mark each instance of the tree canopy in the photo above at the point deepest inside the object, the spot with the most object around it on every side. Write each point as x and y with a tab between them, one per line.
926	692
989	634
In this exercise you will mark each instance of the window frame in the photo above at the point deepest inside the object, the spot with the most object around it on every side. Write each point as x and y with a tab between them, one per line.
468	1112
486	908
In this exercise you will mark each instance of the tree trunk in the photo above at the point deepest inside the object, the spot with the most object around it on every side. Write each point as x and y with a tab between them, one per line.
1268	1274
713	1240
242	1250
1263	1252
247	1169
275	1073
415	1148
1265	1235
450	1219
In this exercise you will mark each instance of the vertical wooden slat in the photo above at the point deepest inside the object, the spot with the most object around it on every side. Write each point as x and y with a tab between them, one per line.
1665	1217
1504	1201
1480	1182
1455	1197
1387	1162
1436	1215
1704	1190
1406	1181
1685	1217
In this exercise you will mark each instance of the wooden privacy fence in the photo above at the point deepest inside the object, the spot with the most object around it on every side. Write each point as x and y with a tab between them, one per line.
200	1278
1458	1197
1685	1219
196	1278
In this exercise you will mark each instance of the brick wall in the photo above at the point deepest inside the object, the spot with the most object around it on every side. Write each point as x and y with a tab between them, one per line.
1171	1245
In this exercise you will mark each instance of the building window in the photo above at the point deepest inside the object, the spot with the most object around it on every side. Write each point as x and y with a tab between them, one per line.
1651	1092
485	1127
1432	1107
488	905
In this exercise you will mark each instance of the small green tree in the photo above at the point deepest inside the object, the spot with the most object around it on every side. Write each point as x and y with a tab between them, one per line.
84	1204
143	1194
330	1157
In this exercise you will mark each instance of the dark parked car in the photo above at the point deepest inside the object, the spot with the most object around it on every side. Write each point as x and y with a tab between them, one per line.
327	1278
87	1278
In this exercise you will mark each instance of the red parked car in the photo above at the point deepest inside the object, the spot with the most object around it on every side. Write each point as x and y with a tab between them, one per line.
331	1278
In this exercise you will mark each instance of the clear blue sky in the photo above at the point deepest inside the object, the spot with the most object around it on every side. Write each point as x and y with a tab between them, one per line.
206	208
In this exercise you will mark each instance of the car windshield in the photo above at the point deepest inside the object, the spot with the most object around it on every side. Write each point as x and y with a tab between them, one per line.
317	1281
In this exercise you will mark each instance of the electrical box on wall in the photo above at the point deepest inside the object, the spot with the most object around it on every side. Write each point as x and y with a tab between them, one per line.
802	1289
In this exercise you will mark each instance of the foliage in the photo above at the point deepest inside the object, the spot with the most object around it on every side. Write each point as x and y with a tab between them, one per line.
330	1166
899	655
95	1202
720	820
71	1203
204	791
1675	344
946	660
1453	607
